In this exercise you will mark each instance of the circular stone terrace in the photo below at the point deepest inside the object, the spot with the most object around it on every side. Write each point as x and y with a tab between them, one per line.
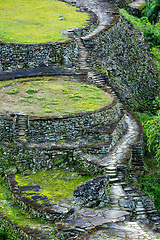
45	96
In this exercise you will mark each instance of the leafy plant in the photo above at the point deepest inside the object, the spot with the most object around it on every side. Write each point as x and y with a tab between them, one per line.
4	235
152	129
151	32
152	10
13	91
150	183
31	90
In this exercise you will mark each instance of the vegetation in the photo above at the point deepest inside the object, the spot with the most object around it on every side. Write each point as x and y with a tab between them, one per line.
151	32
55	184
152	10
4	235
13	212
150	179
48	96
37	21
149	24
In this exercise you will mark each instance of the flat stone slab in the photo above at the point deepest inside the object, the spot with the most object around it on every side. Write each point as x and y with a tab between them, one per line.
112	214
39	71
34	188
117	191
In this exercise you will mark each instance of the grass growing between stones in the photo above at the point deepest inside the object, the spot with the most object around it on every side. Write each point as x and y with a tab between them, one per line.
37	21
55	184
52	97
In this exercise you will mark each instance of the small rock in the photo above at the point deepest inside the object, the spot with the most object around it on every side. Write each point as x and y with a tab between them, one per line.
61	19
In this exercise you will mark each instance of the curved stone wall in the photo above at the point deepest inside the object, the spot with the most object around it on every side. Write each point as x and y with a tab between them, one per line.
123	53
20	151
114	46
33	142
23	56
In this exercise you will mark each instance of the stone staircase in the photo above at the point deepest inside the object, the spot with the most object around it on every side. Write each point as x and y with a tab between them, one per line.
127	209
128	213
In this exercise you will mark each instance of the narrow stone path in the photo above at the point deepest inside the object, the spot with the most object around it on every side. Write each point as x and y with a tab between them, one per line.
128	213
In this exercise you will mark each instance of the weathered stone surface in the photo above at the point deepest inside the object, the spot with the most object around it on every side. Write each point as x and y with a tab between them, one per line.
92	192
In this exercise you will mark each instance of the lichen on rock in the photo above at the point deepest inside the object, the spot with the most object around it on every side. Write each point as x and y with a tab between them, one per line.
92	192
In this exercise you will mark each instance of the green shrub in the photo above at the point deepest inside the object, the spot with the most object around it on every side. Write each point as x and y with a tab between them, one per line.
151	32
150	183
152	10
13	91
151	126
31	90
4	235
152	130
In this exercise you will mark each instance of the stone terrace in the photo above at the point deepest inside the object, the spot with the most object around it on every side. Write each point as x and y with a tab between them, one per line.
127	213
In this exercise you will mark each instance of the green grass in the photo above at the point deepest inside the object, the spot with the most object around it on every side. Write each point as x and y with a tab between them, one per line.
52	97
9	209
37	21
55	184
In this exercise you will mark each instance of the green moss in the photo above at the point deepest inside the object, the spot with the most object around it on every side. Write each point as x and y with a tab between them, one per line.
10	210
55	184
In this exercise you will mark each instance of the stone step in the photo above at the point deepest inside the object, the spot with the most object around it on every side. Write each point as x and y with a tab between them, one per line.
114	180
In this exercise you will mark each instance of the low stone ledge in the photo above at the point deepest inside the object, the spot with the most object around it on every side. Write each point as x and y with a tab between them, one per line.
45	210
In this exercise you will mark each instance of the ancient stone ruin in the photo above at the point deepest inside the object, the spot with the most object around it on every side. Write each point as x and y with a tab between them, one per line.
109	53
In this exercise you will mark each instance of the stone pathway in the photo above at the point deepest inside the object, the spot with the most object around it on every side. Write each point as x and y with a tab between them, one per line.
128	213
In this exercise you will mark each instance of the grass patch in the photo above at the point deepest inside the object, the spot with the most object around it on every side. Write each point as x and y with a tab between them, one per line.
55	184
13	91
13	212
37	21
53	97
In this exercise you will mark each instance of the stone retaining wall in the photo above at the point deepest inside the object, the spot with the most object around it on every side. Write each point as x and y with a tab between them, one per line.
47	156
69	127
121	51
118	48
22	56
